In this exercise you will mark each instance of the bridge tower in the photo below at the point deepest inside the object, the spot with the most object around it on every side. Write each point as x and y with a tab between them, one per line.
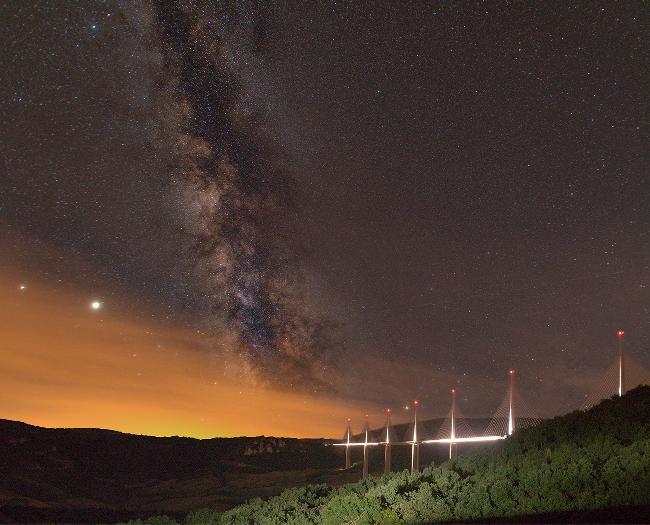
348	432
453	423
511	405
387	444
621	363
415	446
366	429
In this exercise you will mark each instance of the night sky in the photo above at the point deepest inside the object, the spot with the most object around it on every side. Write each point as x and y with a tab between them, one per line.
347	203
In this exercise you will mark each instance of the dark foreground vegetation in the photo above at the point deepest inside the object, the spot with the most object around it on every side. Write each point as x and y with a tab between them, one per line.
583	467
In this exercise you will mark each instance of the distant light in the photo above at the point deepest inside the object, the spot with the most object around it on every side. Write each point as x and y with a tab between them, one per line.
96	305
348	420
22	287
416	402
388	410
453	390
366	416
620	333
511	371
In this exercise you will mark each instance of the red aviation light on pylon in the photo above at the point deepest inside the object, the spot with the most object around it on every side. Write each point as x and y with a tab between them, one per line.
453	391
511	371
620	333
366	415
388	410
416	402
348	420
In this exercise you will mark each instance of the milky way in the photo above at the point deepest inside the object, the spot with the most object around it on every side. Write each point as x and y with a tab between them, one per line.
238	200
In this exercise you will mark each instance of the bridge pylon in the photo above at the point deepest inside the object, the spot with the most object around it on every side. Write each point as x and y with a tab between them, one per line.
623	374
348	437
366	430
621	363
511	403
415	445
452	443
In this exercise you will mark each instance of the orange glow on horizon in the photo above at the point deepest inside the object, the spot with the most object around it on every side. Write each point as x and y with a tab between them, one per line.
65	364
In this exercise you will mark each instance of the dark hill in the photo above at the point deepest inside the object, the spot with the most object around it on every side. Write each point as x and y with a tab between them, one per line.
101	475
55	474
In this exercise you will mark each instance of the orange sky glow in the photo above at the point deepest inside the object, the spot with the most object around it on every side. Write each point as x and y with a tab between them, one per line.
63	364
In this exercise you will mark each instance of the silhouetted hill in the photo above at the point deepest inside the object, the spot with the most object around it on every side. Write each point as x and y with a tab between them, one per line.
60	471
105	453
91	474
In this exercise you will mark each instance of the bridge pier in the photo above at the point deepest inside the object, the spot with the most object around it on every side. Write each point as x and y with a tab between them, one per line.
365	447
387	444
453	423
387	453
347	446
511	406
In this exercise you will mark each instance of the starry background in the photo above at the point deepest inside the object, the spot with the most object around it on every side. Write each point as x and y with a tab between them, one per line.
369	201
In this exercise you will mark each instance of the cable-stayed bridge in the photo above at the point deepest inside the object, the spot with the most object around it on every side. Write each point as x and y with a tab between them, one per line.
512	414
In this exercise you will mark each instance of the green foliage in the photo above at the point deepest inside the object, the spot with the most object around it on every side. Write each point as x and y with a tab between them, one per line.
202	517
581	461
358	510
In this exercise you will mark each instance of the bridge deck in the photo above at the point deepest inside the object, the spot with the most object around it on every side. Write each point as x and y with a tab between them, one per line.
426	441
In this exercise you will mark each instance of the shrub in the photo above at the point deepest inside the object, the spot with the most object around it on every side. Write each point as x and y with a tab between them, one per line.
202	517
